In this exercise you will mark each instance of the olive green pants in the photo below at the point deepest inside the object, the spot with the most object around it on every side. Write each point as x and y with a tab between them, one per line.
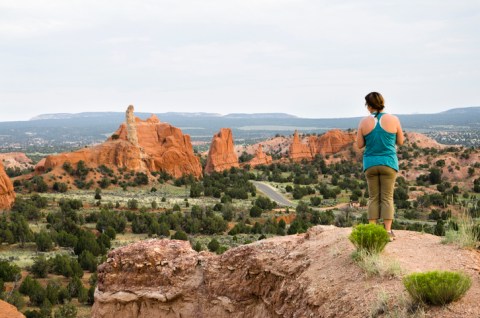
381	181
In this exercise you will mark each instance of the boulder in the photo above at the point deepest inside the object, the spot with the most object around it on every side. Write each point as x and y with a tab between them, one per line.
7	193
221	155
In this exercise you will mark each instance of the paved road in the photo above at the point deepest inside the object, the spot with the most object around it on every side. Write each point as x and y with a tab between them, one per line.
272	193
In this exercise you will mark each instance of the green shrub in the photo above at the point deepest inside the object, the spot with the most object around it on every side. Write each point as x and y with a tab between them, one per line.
369	237
437	287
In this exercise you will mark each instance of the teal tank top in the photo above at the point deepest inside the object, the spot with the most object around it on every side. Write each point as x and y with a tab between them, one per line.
380	147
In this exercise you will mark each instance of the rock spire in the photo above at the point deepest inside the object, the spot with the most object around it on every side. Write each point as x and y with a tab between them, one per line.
221	155
131	126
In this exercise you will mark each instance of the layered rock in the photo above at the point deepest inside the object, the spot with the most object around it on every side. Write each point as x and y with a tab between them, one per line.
290	276
137	145
221	155
299	150
9	311
260	158
7	193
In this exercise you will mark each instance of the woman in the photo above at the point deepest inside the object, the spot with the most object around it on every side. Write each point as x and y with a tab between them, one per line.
379	133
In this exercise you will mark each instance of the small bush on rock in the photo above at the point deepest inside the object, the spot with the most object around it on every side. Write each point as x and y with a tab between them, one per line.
437	287
371	238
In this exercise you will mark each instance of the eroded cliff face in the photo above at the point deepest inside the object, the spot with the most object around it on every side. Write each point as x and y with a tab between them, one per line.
307	275
260	158
137	145
7	193
221	155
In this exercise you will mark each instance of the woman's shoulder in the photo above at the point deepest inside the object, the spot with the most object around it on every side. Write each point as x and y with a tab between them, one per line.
390	117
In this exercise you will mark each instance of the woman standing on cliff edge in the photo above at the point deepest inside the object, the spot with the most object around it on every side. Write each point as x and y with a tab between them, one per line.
379	133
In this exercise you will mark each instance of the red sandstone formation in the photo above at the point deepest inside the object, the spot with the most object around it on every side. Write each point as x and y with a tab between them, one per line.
221	155
334	141
9	311
331	142
306	275
7	194
260	158
299	150
137	145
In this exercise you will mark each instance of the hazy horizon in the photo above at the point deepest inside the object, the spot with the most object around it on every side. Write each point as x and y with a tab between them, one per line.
311	59
220	114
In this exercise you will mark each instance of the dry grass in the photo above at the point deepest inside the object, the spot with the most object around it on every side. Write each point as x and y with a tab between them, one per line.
374	265
466	236
395	306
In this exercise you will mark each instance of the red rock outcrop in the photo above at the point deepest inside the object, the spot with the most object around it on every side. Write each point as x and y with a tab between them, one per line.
299	150
9	311
7	193
331	142
137	145
221	155
334	141
307	275
260	158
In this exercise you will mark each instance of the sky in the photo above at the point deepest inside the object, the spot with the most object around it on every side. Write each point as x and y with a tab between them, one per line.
309	58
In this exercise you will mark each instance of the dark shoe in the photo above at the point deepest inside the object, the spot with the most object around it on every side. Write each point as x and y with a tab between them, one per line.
392	236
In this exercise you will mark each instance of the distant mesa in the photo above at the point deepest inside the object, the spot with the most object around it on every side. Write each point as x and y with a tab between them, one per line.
138	145
221	155
260	158
260	115
7	193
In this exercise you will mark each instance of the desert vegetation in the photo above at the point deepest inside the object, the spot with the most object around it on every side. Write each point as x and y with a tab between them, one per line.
62	226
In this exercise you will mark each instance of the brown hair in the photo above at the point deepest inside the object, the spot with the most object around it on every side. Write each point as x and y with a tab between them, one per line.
375	100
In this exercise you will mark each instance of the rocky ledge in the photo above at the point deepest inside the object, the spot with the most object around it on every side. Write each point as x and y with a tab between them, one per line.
308	275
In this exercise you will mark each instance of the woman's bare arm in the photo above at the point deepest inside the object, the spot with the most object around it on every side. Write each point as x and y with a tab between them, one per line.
360	138
400	137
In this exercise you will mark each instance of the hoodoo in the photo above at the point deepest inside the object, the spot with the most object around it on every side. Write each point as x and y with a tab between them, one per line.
299	150
260	158
221	155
